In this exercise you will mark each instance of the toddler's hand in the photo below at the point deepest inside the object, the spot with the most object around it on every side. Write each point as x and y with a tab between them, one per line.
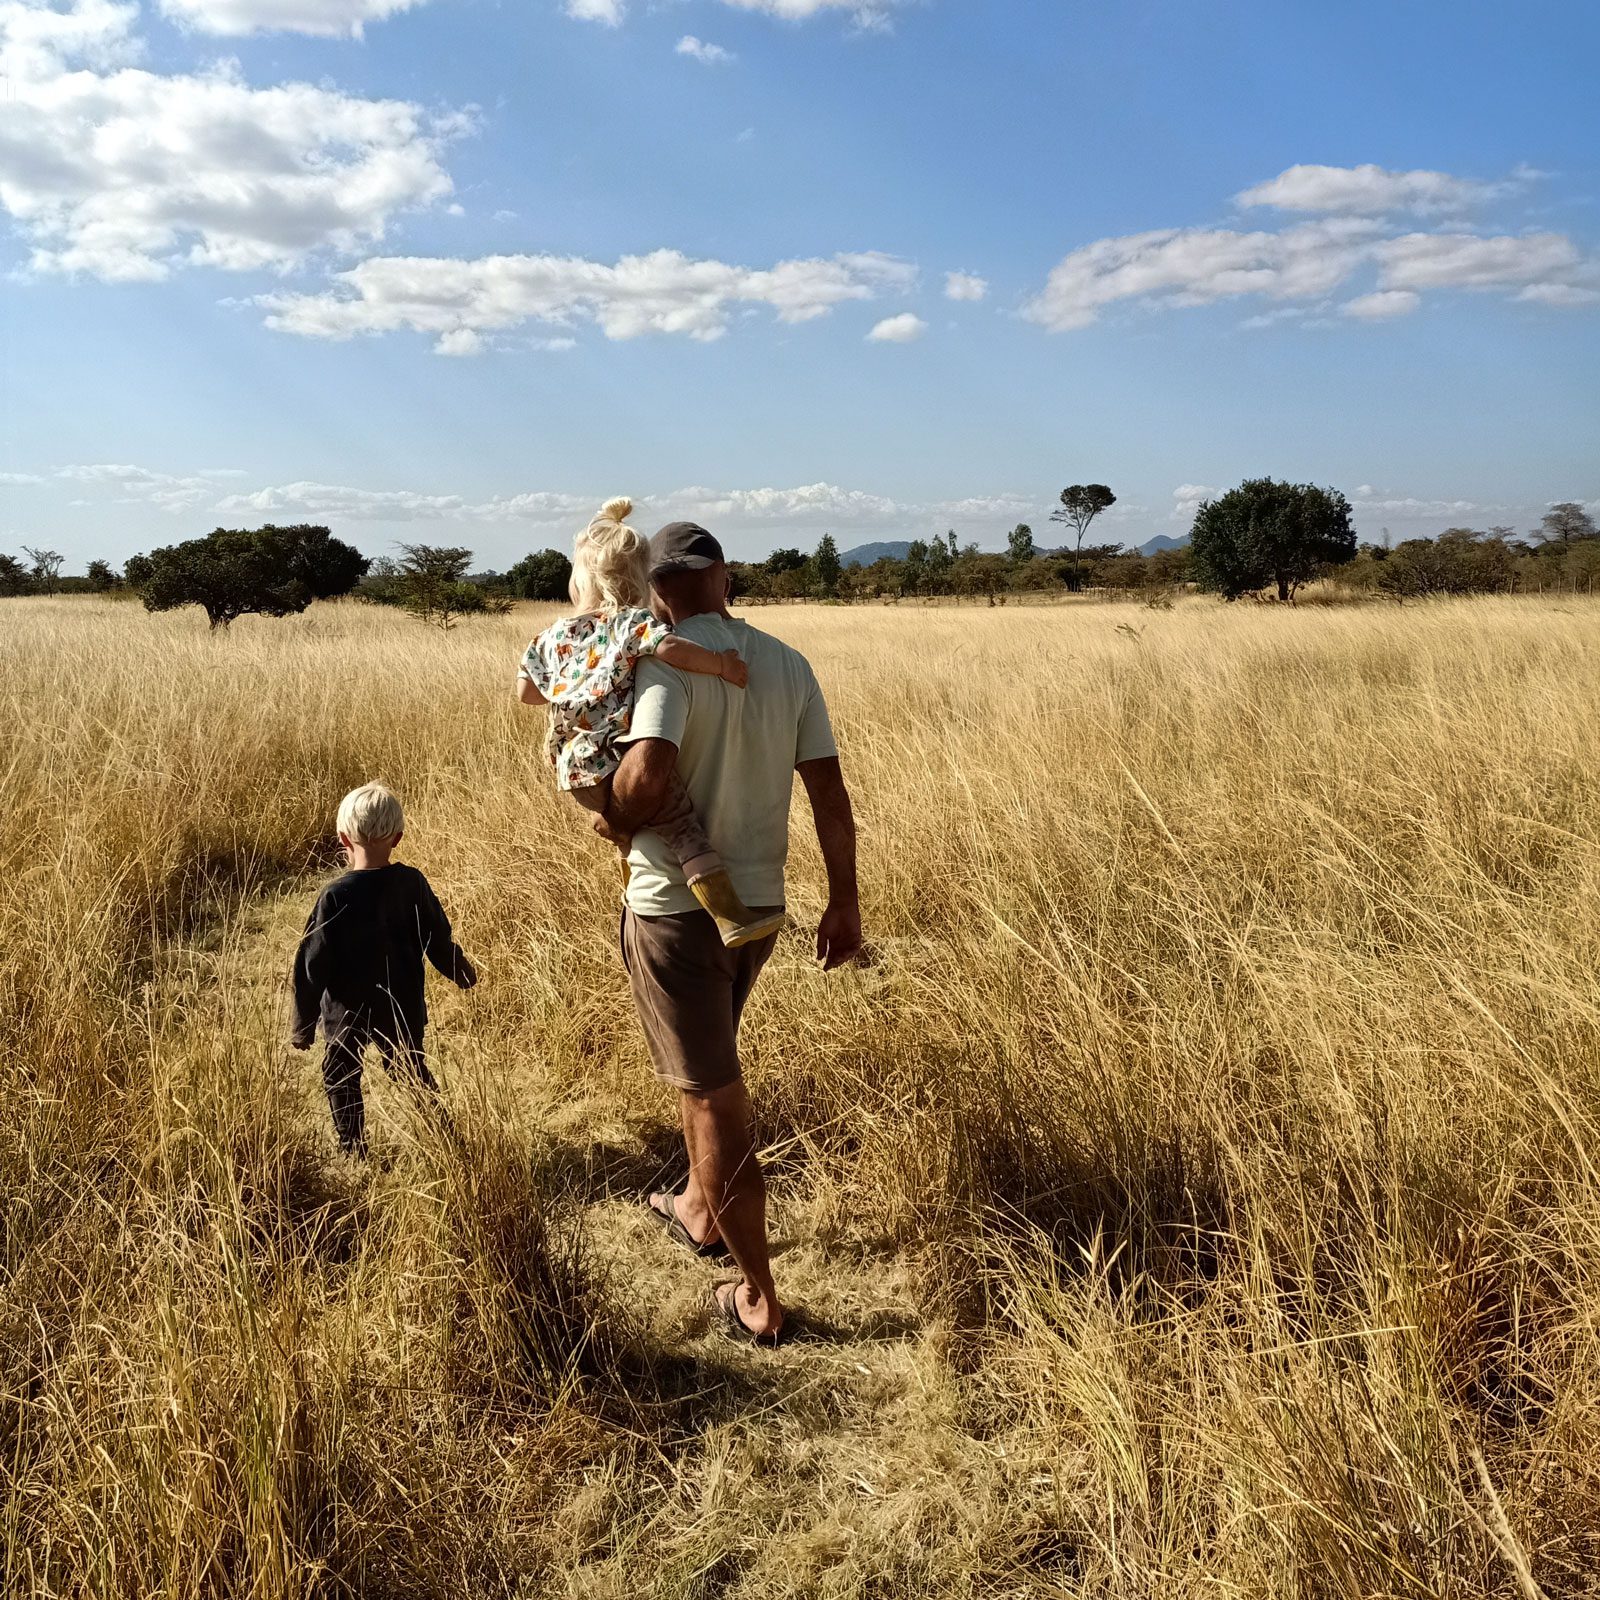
466	974
734	670
301	1041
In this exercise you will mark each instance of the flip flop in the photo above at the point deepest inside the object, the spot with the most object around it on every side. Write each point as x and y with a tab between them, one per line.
666	1216
735	1327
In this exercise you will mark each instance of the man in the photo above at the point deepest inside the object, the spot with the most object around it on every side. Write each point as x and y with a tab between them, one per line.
737	751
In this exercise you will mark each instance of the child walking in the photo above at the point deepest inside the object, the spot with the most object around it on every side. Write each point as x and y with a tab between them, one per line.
583	668
359	966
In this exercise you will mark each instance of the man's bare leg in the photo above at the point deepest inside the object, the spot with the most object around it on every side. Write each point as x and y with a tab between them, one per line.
727	1194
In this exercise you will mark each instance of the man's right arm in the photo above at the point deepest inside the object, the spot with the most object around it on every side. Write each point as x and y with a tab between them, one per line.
638	788
839	932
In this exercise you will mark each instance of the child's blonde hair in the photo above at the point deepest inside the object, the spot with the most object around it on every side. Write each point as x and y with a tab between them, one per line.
610	562
370	812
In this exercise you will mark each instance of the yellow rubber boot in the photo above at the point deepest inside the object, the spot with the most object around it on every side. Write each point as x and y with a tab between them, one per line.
736	922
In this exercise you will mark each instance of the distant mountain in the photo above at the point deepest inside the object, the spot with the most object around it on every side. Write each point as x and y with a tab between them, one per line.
885	550
1163	541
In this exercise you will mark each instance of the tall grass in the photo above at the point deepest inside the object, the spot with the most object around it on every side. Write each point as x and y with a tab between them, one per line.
1198	1197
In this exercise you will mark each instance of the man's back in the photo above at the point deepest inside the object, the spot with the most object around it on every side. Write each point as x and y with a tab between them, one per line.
737	751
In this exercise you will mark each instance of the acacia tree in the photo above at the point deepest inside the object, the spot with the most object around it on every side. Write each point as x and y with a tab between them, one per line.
236	572
1564	523
46	568
14	577
1266	532
432	583
102	577
1080	504
1019	545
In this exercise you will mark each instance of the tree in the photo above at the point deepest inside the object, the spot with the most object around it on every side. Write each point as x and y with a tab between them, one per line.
1019	545
136	571
236	572
544	575
1081	503
14	577
1563	523
1266	532
432	583
825	568
974	573
46	568
101	577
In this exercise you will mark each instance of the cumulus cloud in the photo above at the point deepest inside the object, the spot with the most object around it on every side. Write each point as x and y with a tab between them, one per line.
18	480
330	18
328	500
710	55
1370	191
130	485
1304	264
1186	499
1382	304
122	174
964	286
903	329
663	292
607	11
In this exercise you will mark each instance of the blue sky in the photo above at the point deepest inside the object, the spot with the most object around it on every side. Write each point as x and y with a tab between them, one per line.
454	271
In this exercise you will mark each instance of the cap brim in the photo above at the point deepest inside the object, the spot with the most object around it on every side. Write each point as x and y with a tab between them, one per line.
682	564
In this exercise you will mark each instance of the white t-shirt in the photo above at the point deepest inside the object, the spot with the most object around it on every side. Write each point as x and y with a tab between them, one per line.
737	751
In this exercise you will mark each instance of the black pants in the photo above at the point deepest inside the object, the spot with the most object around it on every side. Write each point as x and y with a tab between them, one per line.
401	1052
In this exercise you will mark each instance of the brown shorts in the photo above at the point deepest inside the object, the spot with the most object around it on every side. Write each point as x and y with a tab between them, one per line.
689	990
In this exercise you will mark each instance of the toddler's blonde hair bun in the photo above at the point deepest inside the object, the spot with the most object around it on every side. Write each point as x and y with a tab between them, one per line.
610	566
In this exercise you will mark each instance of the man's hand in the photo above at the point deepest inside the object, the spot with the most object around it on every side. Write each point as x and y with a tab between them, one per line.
612	834
734	670
839	934
466	974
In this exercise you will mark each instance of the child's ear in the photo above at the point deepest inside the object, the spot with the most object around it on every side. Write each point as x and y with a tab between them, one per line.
397	838
344	839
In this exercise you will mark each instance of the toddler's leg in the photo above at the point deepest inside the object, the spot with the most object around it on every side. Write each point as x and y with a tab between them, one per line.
404	1061
681	830
341	1077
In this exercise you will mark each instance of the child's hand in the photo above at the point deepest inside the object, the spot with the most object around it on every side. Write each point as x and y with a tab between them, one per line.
301	1041
734	670
466	974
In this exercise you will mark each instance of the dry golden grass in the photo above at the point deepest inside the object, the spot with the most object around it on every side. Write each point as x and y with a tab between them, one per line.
1198	1199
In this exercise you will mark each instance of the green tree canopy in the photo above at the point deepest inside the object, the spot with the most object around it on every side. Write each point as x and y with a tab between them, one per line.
14	577
542	575
1080	504
234	572
102	577
825	567
1266	532
1565	522
1019	545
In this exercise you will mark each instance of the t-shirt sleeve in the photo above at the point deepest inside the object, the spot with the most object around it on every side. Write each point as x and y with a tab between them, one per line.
814	736
644	634
534	667
660	703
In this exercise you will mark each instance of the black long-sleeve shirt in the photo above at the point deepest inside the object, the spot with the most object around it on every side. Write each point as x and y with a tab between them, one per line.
361	957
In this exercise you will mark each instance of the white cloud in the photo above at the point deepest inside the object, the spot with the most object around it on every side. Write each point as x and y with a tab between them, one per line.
964	286
123	174
1302	265
902	329
663	292
328	500
1371	191
140	486
1186	499
459	342
868	15
809	503
1368	501
607	11
1382	305
18	480
710	55
331	18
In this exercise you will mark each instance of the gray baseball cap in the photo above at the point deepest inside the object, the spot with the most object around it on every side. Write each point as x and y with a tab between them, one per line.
683	547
